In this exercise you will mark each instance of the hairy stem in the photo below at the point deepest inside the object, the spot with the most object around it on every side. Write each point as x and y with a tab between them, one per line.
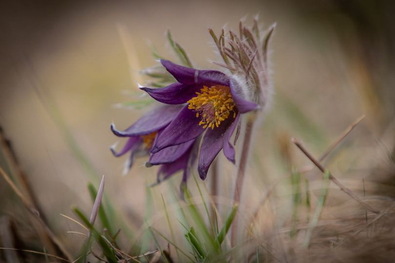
241	174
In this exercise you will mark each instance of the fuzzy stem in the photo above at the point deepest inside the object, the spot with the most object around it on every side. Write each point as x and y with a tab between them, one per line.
240	174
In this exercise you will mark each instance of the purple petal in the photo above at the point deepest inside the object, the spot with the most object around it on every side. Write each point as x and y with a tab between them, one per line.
168	169
152	121
187	170
135	152
181	74
213	142
131	144
170	154
228	148
193	76
242	105
183	185
183	128
213	77
129	162
176	93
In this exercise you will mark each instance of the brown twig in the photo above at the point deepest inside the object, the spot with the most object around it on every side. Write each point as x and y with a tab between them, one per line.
333	178
332	146
336	143
341	138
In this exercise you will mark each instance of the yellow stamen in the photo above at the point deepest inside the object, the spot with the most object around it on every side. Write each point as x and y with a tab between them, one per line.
213	105
148	140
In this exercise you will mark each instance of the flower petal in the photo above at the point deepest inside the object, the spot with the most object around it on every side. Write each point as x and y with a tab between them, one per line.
134	153
181	74
183	128
176	93
212	144
170	154
228	148
242	105
168	169
152	121
193	76
131	144
213	77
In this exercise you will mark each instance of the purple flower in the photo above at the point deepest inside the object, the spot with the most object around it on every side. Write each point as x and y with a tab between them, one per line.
211	106
141	137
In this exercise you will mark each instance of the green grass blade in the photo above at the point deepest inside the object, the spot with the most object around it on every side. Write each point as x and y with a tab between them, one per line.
149	205
201	225
196	245
169	223
180	52
142	103
228	223
296	200
156	242
107	249
212	222
171	243
318	209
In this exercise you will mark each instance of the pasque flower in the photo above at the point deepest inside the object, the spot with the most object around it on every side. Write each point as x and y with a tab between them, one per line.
211	106
141	137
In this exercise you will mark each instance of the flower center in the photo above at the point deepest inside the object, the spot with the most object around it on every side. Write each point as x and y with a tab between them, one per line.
213	105
148	140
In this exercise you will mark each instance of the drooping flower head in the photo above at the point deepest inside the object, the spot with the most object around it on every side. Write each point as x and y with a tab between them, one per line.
203	108
212	104
141	137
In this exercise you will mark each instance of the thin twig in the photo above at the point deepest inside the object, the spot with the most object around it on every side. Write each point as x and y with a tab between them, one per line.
335	143
341	138
15	189
333	178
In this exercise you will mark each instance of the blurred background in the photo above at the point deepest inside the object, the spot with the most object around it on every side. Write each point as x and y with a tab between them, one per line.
65	65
